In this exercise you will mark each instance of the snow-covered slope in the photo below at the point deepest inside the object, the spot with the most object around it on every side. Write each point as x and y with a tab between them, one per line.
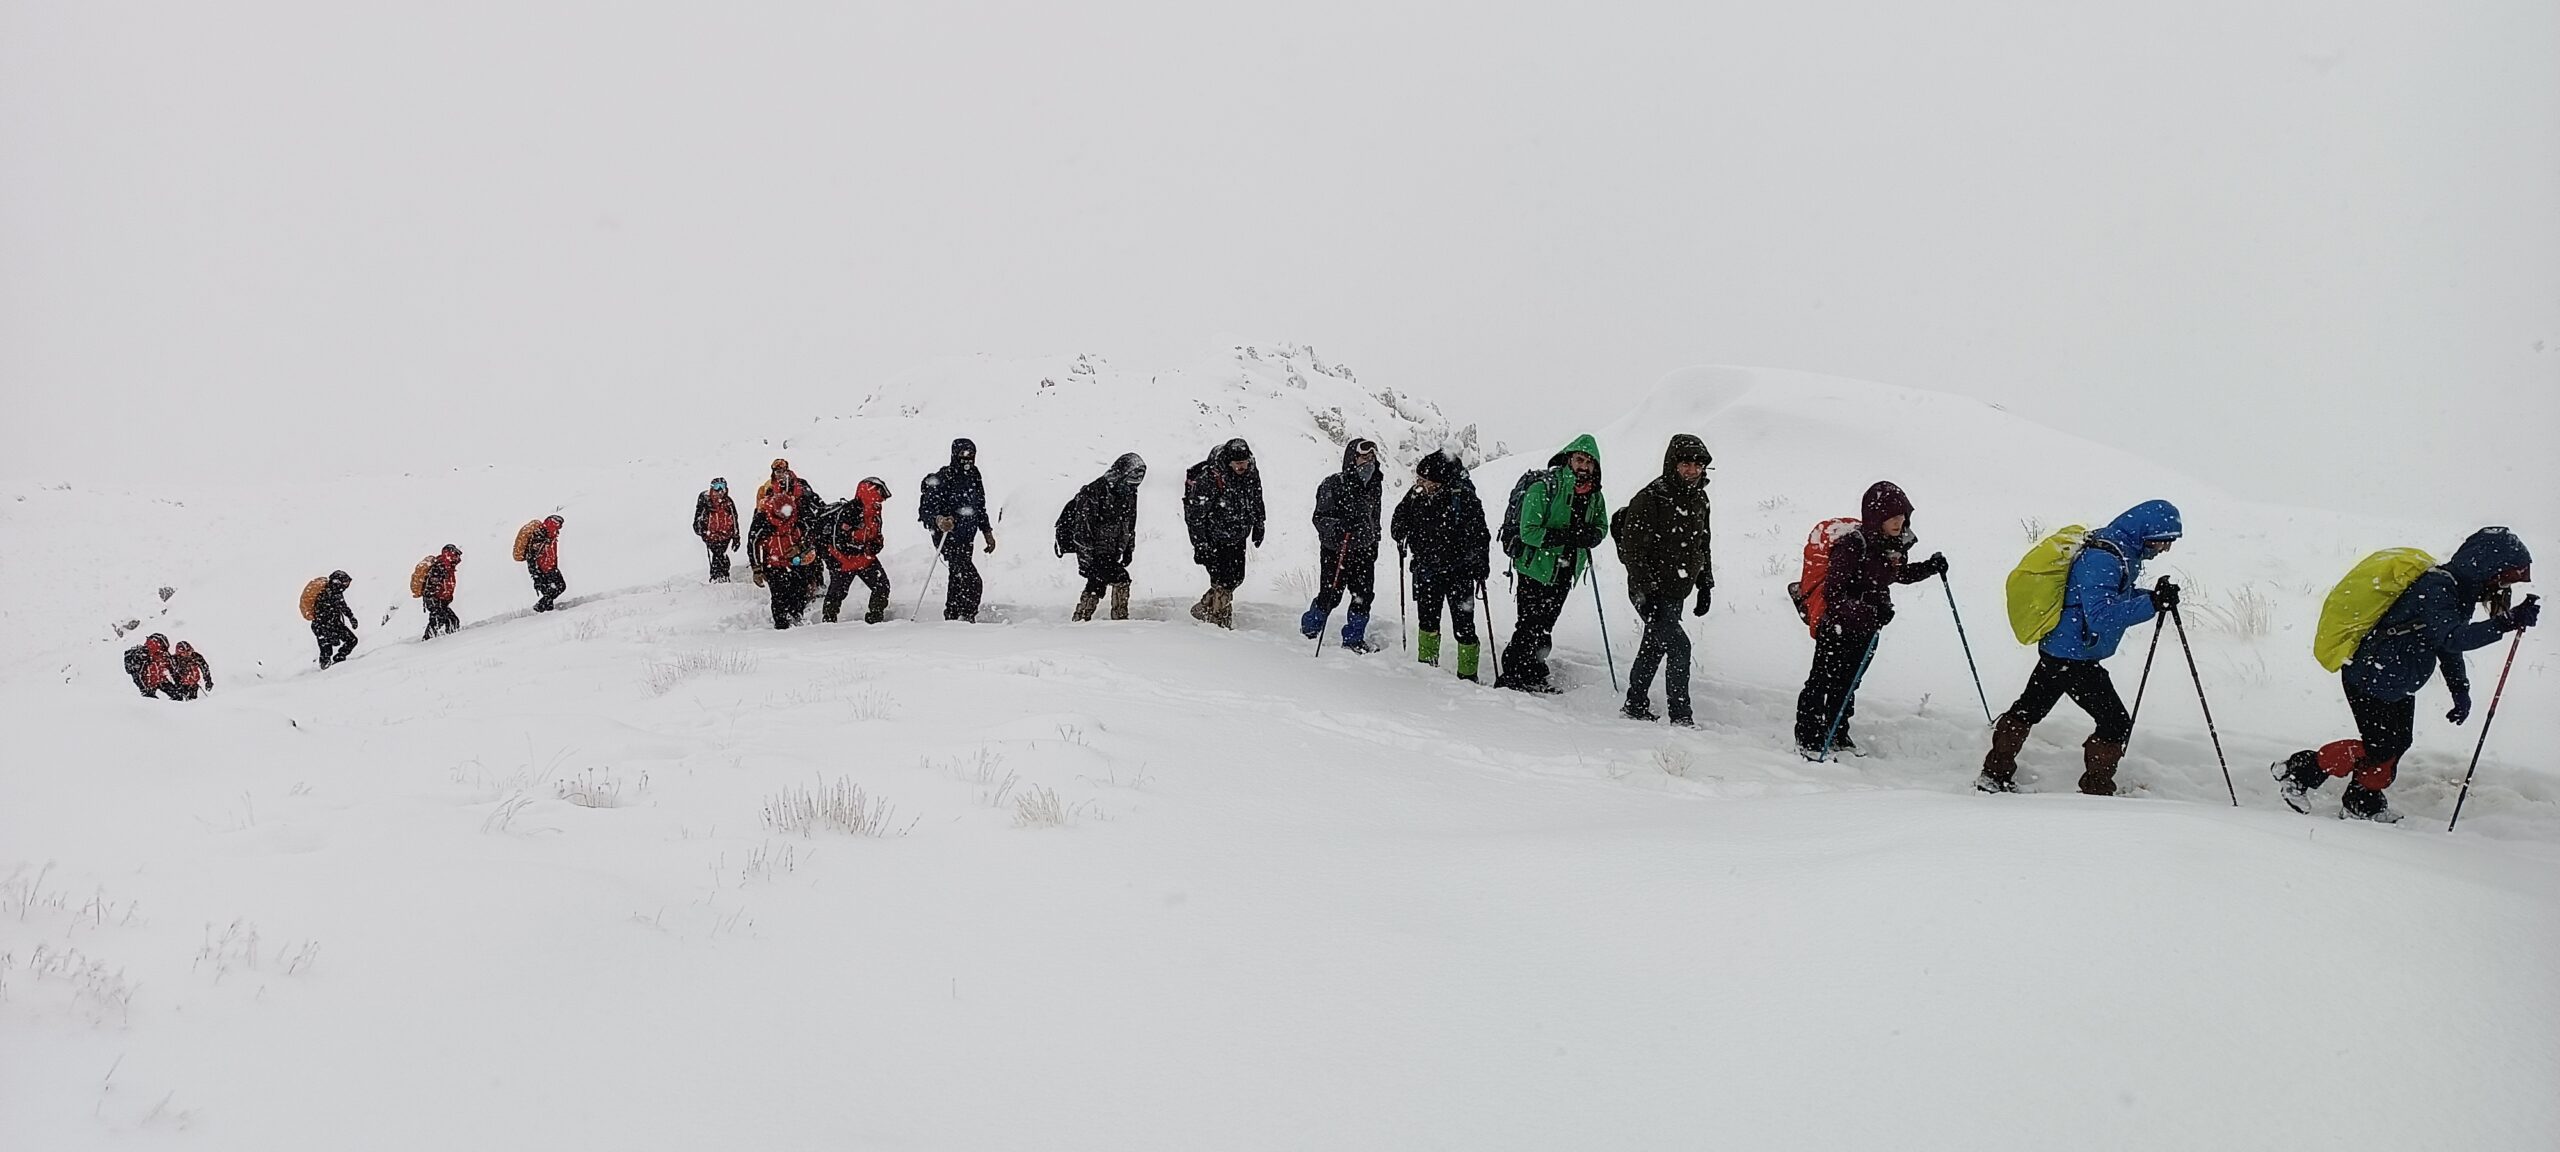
1155	885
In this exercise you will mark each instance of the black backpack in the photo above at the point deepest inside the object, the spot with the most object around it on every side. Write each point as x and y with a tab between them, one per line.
842	527
1066	531
1510	535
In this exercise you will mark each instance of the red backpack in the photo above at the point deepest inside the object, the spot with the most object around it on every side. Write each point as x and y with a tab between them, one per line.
1807	589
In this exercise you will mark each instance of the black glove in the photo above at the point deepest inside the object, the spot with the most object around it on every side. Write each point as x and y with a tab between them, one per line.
1257	537
1199	555
2164	595
1706	596
1594	534
2461	703
2524	615
1936	564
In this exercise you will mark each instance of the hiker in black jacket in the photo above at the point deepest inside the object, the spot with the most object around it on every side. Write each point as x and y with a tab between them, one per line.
1102	530
1346	520
333	624
953	504
1440	524
1222	509
1663	537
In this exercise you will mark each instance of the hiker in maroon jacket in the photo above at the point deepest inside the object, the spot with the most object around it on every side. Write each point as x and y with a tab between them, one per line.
1857	602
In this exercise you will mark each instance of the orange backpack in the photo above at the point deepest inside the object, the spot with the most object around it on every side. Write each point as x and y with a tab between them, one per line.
524	540
311	597
1807	590
418	577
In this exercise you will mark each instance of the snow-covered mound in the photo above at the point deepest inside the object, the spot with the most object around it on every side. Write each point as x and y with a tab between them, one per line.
571	881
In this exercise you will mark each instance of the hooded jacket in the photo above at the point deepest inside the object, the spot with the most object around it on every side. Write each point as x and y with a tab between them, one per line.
854	534
715	516
2430	625
1444	532
2101	599
1857	589
1557	524
789	536
1664	531
330	610
543	552
444	575
955	490
1220	508
188	667
803	497
1346	515
149	663
1105	525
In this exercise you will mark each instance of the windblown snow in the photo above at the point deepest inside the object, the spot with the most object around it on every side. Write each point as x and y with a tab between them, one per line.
648	874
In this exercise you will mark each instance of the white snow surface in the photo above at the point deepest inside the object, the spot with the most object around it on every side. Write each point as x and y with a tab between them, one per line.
1154	885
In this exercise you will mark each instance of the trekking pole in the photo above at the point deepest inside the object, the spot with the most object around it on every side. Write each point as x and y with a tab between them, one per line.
2485	722
1404	622
1490	631
1341	572
1588	566
1976	669
927	590
1859	677
2181	622
2145	685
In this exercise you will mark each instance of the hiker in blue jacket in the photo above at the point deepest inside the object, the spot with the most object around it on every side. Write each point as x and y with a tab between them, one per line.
2428	627
2100	601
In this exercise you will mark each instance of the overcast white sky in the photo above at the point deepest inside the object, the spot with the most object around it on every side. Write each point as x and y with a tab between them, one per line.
2310	250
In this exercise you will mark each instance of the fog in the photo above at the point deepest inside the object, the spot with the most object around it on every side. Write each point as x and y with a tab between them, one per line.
2308	251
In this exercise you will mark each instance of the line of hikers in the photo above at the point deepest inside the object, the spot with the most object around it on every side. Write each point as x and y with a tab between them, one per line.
2387	628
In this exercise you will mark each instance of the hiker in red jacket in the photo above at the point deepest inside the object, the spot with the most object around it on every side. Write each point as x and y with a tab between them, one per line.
190	675
851	540
715	520
787	551
148	664
542	562
438	589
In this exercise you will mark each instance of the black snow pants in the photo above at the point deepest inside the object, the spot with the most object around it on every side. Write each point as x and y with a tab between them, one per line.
966	588
1431	590
1664	641
719	558
840	583
549	586
1524	659
1831	686
2088	685
336	640
790	585
440	617
1338	570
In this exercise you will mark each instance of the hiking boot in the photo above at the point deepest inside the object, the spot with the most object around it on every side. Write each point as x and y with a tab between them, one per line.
1085	604
2000	765
1467	657
1987	783
2362	803
1842	743
1223	613
2296	777
878	610
1639	711
1120	600
1683	720
1355	632
2098	773
1426	648
1204	610
1311	622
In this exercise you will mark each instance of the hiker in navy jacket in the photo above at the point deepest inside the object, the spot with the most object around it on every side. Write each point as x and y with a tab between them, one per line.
953	503
1346	520
2100	601
2428	627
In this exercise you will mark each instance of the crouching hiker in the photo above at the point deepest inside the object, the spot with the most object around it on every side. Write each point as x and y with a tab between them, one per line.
1100	525
1346	520
333	624
851	541
1440	525
2074	597
190	676
148	664
2385	629
1663	539
1846	598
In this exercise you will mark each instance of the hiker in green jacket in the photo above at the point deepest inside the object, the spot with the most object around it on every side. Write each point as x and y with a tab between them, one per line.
1557	516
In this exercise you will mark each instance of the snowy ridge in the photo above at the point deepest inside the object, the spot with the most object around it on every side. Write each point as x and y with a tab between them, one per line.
1155	885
